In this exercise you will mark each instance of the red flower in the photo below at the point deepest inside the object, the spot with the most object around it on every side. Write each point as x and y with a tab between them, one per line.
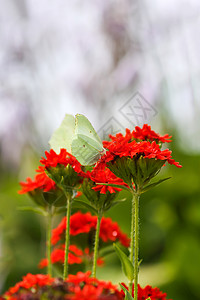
148	291
80	277
145	133
89	256
63	158
83	223
105	176
110	231
58	256
78	194
100	261
79	223
30	281
76	287
126	146
76	256
87	292
43	263
41	181
84	287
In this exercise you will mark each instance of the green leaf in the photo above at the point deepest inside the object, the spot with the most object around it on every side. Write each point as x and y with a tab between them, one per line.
148	187
127	294
115	185
106	251
118	202
127	265
60	210
33	209
140	262
148	298
86	205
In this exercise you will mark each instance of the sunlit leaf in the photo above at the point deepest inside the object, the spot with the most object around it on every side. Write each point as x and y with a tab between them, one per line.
86	205
60	210
33	209
118	202
140	262
150	186
106	251
127	294
115	185
127	265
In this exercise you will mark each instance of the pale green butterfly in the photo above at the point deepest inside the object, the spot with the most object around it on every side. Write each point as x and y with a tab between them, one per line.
62	137
78	136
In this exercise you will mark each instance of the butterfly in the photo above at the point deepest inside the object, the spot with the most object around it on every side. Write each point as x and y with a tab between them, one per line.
77	135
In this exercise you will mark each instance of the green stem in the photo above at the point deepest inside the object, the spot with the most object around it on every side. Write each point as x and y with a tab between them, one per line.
49	225
134	244
96	245
67	236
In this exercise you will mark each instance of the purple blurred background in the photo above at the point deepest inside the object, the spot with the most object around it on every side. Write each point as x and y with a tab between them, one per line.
90	57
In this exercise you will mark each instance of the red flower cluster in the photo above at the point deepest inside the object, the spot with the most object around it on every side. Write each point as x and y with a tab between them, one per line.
76	256
83	223
89	256
110	231
79	223
145	133
30	281
127	146
63	158
148	291
41	181
58	256
83	287
76	287
105	176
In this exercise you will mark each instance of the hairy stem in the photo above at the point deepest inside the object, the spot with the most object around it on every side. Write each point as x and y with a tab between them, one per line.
134	244
67	236
96	245
48	241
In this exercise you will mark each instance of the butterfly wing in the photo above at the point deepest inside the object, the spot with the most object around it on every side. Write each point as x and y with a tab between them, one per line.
63	136
85	130
86	154
86	145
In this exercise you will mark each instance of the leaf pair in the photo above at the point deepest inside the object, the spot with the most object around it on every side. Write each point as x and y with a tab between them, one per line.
145	189
128	270
127	294
127	265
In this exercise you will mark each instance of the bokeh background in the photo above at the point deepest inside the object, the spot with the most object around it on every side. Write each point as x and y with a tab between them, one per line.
121	63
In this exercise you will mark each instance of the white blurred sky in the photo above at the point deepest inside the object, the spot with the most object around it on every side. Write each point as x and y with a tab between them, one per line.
90	57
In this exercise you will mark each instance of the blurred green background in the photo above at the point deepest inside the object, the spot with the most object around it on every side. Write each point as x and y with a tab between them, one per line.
169	230
121	64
